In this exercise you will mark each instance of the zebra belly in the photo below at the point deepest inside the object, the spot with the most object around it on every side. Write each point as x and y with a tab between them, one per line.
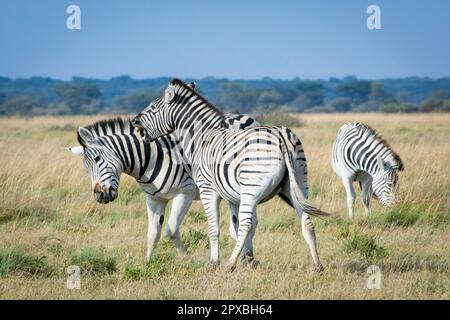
260	181
167	186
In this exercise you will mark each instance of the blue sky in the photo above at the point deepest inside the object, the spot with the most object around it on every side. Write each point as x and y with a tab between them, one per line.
244	39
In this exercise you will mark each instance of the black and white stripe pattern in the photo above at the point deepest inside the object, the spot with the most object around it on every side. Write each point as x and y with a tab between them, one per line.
360	154
243	167
113	146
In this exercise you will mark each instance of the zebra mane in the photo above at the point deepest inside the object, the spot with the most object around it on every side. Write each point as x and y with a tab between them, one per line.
378	136
117	125
178	82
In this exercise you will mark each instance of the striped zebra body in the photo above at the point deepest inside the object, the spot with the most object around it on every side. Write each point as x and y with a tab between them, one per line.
243	167
361	154
113	146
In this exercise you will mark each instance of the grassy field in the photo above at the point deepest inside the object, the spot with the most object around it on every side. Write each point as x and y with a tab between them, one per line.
49	220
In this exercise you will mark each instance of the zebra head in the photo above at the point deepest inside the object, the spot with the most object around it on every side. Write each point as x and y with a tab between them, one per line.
385	180
101	165
153	121
159	118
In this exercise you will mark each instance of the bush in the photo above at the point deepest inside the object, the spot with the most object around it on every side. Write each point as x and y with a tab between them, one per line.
369	106
394	107
320	109
276	117
365	245
435	104
23	106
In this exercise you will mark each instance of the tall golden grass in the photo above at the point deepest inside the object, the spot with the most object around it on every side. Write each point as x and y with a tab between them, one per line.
49	220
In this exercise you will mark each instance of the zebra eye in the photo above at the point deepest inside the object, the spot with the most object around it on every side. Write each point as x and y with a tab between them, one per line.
97	158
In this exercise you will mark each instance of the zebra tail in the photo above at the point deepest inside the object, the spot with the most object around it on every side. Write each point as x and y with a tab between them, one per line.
298	198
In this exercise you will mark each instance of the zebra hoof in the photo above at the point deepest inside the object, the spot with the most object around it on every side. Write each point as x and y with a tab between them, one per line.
230	267
213	265
318	268
252	263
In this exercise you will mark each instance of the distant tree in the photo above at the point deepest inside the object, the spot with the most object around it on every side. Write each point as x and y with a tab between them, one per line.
434	104
23	106
441	94
310	95
133	102
356	90
80	98
377	93
402	96
269	98
235	97
340	105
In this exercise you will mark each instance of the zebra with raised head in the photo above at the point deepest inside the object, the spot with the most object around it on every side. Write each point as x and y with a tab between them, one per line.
361	154
110	147
243	167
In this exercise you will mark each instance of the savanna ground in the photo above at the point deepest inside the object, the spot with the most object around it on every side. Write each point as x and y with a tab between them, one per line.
49	220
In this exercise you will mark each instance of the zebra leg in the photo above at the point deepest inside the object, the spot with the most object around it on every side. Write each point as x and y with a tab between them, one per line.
307	225
366	192
248	246
180	206
234	222
348	184
309	234
210	201
155	211
247	214
247	257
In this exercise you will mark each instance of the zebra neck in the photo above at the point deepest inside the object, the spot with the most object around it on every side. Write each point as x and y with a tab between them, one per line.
194	126
132	154
372	167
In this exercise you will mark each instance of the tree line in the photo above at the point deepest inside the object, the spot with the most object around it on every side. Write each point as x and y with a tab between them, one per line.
123	95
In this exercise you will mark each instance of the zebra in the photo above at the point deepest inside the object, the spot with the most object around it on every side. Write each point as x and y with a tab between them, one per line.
361	154
110	147
243	167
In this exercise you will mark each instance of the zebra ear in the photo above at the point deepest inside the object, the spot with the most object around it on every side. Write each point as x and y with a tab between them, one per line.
86	136
192	85
380	163
78	150
169	95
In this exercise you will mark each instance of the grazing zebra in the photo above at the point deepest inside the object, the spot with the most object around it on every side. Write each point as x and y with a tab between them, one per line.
361	154
243	167
113	146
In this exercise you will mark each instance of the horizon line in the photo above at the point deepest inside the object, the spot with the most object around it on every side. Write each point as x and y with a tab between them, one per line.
224	78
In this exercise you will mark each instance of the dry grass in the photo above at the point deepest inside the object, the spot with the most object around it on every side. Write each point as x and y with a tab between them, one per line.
48	220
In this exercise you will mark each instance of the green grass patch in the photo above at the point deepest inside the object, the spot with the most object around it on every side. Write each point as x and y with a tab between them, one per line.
197	216
93	262
283	223
159	265
365	245
193	238
411	262
410	215
19	262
